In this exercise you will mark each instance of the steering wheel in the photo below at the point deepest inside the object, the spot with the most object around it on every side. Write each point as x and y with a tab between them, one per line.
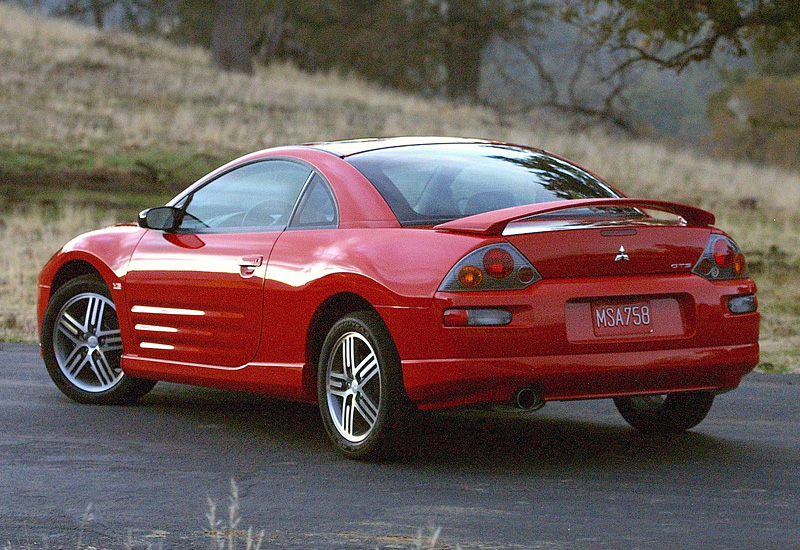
267	213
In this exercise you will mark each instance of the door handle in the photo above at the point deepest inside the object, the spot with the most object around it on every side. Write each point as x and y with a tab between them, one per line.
251	262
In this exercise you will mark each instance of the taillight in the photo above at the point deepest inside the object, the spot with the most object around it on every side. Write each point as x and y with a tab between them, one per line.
723	252
721	259
498	263
493	267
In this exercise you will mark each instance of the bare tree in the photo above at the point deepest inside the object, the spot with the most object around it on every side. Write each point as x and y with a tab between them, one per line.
572	76
677	33
465	28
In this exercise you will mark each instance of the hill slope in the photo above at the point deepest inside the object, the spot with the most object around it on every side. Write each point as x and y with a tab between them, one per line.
124	113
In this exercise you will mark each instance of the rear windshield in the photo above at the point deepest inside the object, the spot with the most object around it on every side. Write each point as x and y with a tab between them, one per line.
429	184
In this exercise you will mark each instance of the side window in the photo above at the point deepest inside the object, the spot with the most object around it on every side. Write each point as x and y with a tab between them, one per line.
317	207
256	196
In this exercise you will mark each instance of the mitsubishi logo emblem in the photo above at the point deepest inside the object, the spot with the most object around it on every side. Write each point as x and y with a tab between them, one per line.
622	255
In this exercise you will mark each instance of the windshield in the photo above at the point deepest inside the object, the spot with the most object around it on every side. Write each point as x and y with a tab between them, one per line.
430	184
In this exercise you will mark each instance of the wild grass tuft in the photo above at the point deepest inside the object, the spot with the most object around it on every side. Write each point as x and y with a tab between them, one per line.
225	533
225	536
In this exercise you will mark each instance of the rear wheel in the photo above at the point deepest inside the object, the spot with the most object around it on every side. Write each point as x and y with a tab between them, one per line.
673	413
360	388
82	345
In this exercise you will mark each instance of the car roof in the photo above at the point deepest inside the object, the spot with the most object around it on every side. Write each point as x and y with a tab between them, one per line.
355	146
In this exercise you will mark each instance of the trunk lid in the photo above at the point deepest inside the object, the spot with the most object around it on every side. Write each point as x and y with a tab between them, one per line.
600	249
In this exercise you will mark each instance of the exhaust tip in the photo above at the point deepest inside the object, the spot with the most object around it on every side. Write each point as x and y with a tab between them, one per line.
528	399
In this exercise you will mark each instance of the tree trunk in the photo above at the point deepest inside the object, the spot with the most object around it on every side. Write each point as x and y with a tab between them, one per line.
467	32
463	66
230	44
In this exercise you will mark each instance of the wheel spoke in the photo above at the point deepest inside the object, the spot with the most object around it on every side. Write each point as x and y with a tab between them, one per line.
108	333
337	381
94	313
366	408
69	326
111	343
63	329
348	355
105	373
348	408
75	362
366	369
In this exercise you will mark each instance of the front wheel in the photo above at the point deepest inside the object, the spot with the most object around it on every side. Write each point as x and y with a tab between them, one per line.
82	345
360	386
673	413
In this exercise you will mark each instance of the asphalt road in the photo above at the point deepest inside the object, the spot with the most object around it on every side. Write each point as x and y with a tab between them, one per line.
572	475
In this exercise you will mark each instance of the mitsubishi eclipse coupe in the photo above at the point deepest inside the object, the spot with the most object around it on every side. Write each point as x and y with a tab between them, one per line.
379	277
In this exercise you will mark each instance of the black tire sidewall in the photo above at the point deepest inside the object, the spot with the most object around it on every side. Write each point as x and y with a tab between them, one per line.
678	413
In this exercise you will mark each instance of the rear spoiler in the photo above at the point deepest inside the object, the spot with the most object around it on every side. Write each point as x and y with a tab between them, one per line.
494	222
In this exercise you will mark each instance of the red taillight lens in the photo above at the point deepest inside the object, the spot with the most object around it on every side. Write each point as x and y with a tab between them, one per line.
456	318
724	253
498	263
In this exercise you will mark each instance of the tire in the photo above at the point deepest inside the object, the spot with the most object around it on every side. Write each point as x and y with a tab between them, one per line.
82	345
360	387
674	413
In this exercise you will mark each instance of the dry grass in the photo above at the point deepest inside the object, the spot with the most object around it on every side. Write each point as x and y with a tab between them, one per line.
27	240
67	89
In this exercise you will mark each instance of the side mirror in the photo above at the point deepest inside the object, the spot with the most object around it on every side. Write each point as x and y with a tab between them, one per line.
161	218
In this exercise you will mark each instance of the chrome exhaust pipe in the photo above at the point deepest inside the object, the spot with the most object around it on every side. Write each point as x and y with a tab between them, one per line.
528	399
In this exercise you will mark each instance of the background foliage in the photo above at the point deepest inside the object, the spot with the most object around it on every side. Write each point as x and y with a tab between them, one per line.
676	69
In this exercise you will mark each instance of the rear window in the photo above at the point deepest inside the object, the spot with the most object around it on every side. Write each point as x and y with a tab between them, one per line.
429	184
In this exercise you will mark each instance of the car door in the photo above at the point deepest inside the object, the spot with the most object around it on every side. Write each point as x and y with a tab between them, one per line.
196	294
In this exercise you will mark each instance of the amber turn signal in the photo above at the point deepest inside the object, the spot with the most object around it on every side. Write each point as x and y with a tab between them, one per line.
470	276
739	264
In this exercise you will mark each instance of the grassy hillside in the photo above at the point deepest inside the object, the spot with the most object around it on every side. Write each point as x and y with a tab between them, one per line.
107	124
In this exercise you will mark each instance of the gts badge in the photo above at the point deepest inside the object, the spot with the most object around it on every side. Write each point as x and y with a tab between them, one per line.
681	266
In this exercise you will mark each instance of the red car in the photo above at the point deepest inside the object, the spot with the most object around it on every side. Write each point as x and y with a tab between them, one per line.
377	277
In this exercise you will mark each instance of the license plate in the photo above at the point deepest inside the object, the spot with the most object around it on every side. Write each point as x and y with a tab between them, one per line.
622	318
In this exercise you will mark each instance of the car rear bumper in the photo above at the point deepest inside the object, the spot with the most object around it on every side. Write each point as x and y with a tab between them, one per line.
550	343
458	382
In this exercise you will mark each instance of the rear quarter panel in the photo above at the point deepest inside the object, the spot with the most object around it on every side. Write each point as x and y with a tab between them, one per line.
394	269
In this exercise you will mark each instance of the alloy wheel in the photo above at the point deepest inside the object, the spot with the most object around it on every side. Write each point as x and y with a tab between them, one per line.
353	387
87	342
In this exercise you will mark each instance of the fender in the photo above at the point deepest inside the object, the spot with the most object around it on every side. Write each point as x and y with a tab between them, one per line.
108	251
